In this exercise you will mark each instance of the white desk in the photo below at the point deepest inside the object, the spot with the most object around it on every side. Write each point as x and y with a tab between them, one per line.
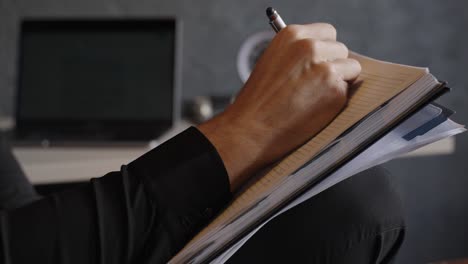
71	164
61	165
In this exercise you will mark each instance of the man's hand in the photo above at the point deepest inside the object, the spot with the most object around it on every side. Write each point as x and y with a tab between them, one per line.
297	87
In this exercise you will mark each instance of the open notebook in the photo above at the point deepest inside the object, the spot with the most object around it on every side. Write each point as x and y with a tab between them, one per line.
384	94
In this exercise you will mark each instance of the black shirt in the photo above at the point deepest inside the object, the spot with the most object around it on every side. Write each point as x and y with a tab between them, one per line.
145	213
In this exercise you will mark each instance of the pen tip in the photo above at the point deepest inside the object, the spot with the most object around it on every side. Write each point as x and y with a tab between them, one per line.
270	11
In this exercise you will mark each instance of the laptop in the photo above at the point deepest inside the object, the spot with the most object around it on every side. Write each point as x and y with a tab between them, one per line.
97	80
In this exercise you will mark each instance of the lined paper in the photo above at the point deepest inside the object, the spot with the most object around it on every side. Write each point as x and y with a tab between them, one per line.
378	82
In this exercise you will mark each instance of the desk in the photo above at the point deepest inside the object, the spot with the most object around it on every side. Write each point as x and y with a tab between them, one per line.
73	164
62	165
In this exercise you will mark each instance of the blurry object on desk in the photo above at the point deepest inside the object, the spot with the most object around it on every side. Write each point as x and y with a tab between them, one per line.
201	108
105	80
6	126
6	123
250	51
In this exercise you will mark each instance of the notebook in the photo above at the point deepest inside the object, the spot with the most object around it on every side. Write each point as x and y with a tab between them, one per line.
428	125
383	95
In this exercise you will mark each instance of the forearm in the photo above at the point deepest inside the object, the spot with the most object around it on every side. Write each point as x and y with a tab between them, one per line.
147	211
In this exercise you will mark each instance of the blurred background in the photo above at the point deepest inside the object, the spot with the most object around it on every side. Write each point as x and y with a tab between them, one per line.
415	32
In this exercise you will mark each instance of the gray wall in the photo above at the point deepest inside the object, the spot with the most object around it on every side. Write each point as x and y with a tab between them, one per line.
418	32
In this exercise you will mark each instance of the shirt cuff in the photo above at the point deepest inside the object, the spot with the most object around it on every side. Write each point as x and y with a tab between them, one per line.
185	175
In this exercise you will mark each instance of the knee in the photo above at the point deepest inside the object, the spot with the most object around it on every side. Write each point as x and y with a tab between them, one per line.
369	198
359	220
373	218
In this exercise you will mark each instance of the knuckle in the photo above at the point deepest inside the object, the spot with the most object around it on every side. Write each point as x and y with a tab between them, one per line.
308	46
331	78
330	28
327	71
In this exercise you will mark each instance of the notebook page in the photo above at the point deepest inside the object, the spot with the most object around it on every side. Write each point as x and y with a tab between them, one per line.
379	81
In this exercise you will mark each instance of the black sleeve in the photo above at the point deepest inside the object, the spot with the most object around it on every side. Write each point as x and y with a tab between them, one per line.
143	214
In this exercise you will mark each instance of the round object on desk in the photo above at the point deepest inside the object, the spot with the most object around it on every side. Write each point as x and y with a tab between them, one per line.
6	123
250	51
202	109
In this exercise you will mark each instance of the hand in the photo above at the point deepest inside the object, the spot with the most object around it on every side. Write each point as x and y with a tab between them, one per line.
297	87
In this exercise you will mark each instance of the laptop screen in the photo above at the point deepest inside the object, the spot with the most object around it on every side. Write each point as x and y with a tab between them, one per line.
96	80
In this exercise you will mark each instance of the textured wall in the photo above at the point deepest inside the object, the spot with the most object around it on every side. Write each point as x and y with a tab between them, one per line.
419	32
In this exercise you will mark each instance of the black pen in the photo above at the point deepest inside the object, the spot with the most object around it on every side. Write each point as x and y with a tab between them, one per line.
276	21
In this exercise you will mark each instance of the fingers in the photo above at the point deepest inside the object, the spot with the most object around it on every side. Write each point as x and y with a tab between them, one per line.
320	31
322	51
348	69
317	41
332	50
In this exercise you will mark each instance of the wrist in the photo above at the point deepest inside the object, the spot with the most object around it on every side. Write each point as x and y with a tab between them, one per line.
237	145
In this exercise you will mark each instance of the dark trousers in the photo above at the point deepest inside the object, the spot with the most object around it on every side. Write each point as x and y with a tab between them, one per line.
359	220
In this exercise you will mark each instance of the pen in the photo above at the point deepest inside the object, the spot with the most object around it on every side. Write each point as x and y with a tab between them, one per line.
276	21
